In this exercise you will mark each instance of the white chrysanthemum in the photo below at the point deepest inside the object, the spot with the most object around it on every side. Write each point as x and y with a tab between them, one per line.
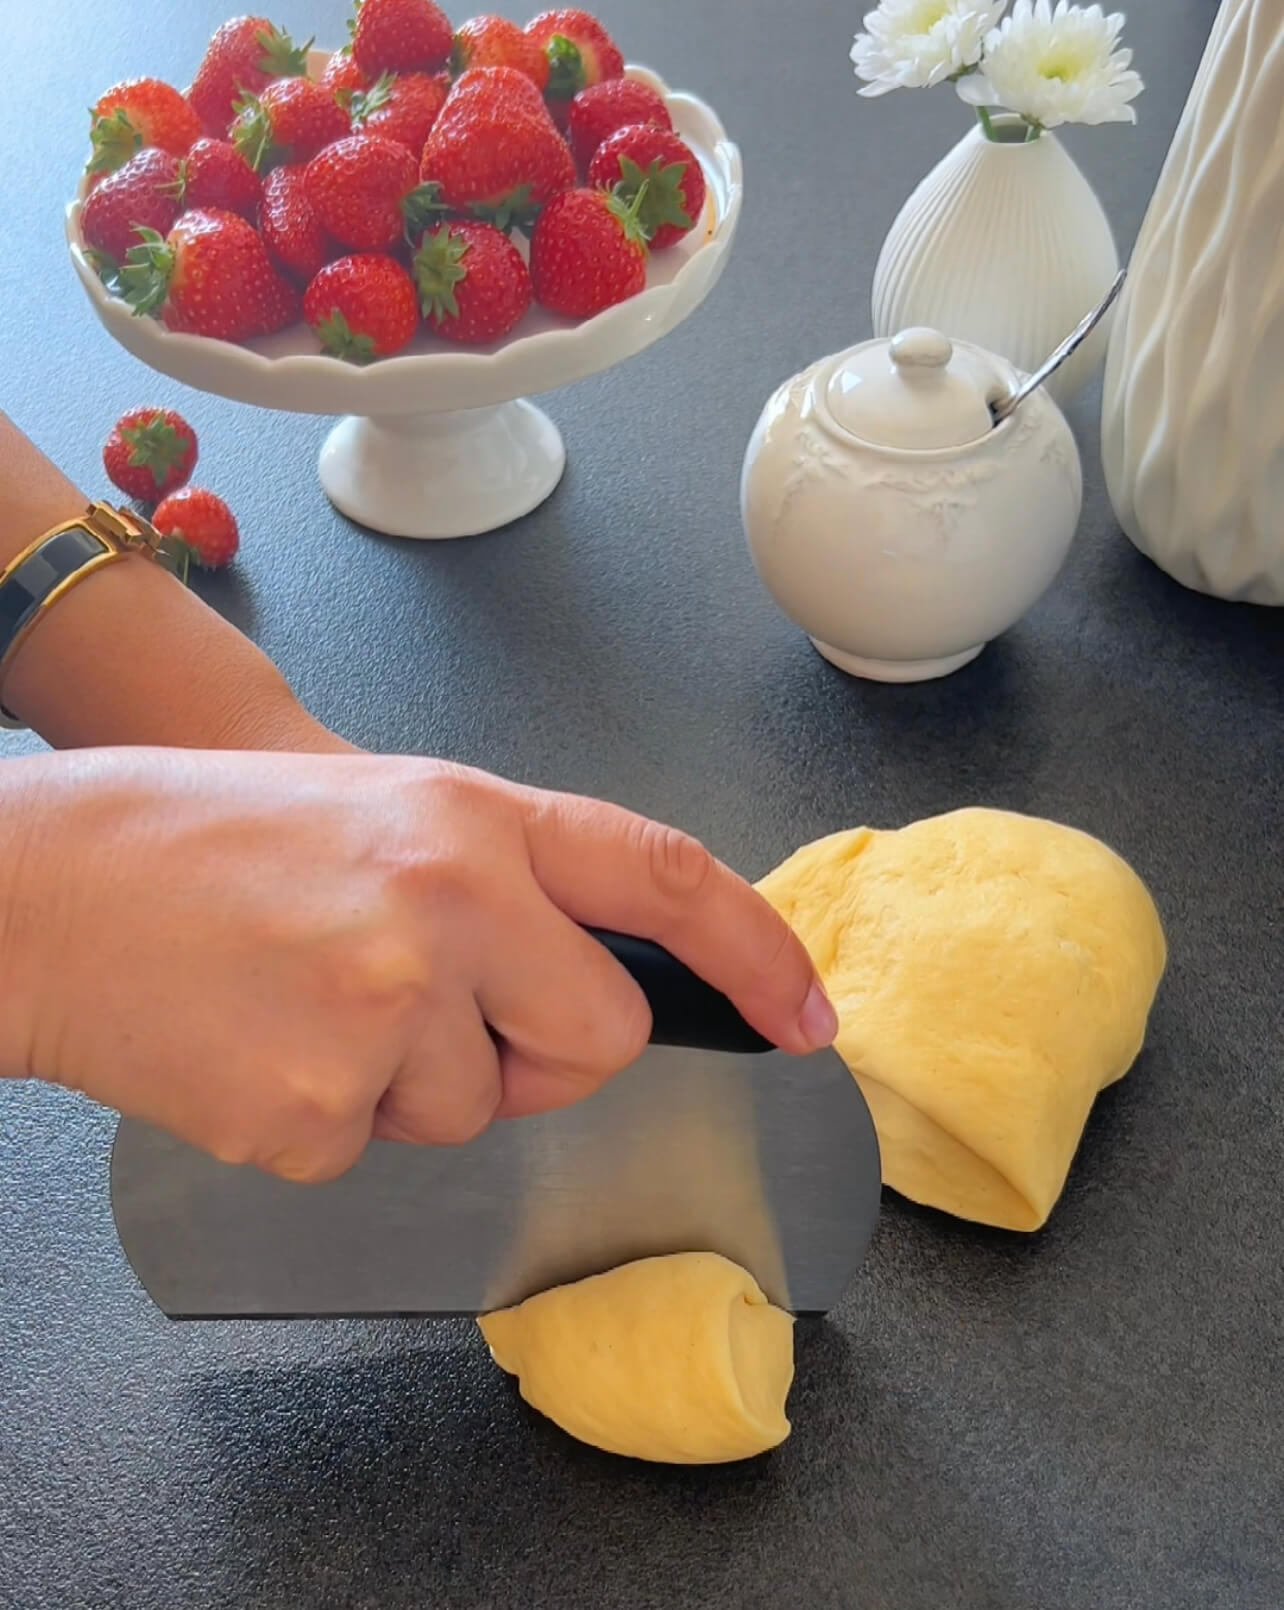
1056	66
913	44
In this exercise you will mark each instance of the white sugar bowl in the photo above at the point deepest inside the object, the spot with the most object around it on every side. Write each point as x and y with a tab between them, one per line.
892	519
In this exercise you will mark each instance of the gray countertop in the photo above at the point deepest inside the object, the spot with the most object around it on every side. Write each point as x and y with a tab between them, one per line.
1089	1419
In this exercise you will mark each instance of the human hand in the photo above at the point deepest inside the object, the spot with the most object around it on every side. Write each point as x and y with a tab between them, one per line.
277	956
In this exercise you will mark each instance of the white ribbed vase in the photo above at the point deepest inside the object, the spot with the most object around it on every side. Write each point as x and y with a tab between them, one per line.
1005	245
1193	417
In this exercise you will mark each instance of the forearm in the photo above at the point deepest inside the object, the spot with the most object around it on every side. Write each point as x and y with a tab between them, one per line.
130	656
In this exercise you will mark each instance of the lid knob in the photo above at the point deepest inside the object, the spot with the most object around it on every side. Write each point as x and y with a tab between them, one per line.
920	348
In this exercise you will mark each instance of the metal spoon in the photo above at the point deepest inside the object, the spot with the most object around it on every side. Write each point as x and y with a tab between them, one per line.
1005	406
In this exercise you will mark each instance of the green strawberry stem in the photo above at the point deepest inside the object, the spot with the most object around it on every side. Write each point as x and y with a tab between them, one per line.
360	103
146	272
155	446
665	202
565	68
421	209
281	57
114	140
438	267
516	210
342	341
252	131
630	215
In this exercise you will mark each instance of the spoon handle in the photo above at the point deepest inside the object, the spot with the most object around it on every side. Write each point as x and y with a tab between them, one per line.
1008	405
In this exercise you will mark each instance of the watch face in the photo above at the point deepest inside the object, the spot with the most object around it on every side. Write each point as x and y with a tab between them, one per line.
23	592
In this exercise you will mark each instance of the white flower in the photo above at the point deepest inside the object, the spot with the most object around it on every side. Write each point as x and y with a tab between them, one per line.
1056	66
913	44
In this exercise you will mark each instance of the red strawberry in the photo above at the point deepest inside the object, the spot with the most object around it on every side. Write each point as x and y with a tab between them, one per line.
362	307
496	42
215	174
494	151
473	283
143	192
400	107
296	240
198	527
400	36
596	113
342	72
211	275
580	52
640	156
587	253
244	55
290	122
151	451
136	114
358	188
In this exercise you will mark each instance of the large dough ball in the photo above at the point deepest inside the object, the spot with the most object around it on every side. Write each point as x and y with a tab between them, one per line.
678	1359
992	972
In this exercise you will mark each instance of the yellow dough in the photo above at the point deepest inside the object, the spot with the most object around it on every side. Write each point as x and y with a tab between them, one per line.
679	1359
991	972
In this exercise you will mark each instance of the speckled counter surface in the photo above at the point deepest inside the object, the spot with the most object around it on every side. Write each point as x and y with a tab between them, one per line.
1087	1420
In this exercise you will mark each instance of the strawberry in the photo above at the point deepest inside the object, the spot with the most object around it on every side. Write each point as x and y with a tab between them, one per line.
198	528
289	122
296	240
151	451
211	275
496	42
494	151
473	283
400	36
342	72
588	252
362	307
359	187
596	113
401	107
244	55
640	157
142	192
580	52
141	112
215	174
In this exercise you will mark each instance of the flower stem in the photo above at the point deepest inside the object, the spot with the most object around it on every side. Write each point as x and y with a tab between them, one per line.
986	122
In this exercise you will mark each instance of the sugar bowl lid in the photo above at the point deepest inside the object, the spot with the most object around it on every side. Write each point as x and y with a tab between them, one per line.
916	392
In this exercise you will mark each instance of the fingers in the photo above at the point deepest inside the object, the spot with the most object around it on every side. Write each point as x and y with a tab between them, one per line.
449	1087
611	869
567	1014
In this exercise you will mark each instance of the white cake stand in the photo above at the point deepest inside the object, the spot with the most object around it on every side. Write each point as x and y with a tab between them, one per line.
440	441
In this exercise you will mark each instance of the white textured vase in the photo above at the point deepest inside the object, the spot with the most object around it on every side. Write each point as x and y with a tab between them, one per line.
1005	245
1193	416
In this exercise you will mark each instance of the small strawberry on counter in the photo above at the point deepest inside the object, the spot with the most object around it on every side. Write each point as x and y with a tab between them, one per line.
210	275
401	36
588	252
643	157
144	192
362	307
400	106
150	452
290	121
473	283
495	42
596	113
244	55
215	174
198	528
580	52
296	240
141	112
359	187
494	151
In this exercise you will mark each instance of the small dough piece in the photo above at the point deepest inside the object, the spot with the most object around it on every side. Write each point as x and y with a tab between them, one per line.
678	1359
991	972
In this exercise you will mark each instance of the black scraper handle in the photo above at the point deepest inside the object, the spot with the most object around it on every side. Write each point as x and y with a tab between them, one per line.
685	1011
